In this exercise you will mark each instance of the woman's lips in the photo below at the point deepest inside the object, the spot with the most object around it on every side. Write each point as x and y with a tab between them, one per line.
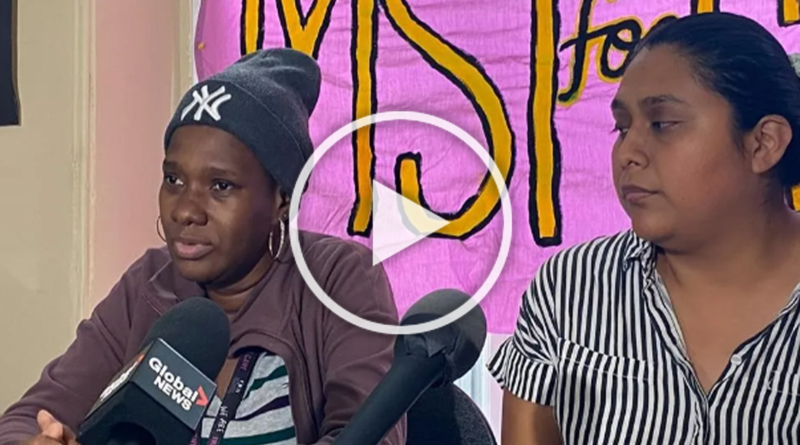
191	250
634	194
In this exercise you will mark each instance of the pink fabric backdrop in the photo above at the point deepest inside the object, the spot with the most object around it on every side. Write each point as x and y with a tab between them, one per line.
498	35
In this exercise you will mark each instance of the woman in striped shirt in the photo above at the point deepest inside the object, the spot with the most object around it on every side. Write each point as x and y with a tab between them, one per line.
683	330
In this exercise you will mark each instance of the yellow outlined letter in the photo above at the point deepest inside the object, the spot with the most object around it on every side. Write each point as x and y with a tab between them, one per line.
365	33
485	97
251	33
788	12
304	33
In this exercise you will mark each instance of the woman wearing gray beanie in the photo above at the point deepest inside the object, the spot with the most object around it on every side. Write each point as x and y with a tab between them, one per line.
233	152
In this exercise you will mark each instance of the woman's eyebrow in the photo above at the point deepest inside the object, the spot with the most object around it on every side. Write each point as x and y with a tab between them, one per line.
214	170
652	101
618	105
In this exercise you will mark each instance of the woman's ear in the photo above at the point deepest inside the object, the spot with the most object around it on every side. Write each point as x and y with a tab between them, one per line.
283	205
768	142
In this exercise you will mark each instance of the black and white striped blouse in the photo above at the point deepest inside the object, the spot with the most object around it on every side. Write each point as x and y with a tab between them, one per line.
597	339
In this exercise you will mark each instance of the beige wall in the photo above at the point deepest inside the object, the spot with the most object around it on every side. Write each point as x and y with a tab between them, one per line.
40	230
97	82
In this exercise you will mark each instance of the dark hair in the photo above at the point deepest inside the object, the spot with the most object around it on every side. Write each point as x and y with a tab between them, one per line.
738	59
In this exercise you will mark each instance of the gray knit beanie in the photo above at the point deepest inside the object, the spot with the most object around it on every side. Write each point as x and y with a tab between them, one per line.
265	100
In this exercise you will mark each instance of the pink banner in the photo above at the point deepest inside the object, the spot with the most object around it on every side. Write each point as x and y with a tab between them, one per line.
531	80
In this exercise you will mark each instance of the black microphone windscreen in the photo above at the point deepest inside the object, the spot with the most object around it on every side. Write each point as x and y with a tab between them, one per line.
461	341
161	395
198	330
424	360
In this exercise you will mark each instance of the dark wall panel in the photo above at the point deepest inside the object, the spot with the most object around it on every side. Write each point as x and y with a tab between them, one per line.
9	104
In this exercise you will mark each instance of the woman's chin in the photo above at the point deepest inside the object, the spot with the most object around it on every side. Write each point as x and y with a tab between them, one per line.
651	228
195	271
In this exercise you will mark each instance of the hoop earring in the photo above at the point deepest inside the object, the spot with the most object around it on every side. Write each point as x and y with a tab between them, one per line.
274	254
158	229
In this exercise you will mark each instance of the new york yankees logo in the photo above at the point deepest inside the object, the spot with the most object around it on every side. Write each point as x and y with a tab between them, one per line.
208	103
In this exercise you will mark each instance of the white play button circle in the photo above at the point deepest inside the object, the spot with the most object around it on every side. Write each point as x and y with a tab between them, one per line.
399	223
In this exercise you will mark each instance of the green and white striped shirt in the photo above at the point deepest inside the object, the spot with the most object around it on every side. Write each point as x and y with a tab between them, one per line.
264	415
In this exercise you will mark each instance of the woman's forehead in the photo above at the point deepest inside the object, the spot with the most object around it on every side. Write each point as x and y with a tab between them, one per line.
659	76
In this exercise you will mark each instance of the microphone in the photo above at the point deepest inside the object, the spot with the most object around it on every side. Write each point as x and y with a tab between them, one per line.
160	397
427	360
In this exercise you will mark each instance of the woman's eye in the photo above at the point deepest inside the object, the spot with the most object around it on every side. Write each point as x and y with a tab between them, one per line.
622	131
171	179
222	186
663	125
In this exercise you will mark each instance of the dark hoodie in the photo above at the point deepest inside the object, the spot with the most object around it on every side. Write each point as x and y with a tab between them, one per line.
332	364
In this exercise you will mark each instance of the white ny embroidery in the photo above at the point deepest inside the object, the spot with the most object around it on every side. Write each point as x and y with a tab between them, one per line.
208	103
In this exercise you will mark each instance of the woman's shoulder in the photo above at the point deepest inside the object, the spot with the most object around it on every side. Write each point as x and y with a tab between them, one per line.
583	275
120	310
602	254
344	270
140	276
320	251
152	261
